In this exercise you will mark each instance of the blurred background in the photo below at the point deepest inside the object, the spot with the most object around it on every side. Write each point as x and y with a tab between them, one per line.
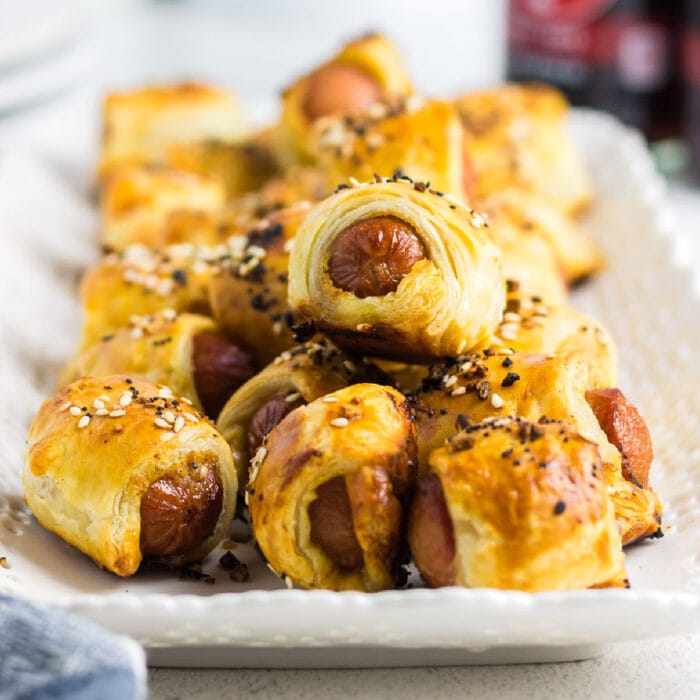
639	59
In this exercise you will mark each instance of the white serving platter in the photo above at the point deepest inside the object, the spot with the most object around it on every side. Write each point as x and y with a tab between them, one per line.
47	231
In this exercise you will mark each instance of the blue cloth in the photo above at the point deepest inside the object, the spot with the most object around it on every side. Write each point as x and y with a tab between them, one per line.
50	654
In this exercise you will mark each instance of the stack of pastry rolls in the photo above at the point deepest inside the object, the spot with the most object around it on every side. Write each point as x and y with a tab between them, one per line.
356	321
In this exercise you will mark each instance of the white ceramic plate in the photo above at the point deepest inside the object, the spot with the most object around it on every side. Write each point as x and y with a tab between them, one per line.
48	233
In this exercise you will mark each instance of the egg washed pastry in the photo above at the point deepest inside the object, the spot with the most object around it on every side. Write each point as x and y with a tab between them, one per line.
469	389
249	297
141	281
364	71
125	471
297	377
517	137
239	167
327	490
516	505
139	126
421	138
137	200
530	325
397	270
187	352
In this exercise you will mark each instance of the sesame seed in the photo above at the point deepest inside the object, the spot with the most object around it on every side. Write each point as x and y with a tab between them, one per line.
165	393
496	401
169	314
450	380
504	351
103	398
84	421
269	566
101	412
65	406
184	399
329	399
75	410
192	417
354	181
179	424
288	582
98	403
125	400
169	416
462	345
160	423
117	413
511	317
137	333
459	391
167	436
551	355
508	334
363	327
292	397
339	422
477	221
349	366
277	327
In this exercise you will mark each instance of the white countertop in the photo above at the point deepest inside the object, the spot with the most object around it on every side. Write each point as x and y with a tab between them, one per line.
665	668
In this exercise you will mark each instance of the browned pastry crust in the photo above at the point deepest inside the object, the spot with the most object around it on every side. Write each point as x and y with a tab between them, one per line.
186	352
517	138
372	56
362	439
525	507
473	388
448	301
249	301
416	137
112	465
140	126
137	201
299	375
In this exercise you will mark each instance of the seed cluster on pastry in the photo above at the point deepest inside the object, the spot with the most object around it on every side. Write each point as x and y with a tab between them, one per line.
350	329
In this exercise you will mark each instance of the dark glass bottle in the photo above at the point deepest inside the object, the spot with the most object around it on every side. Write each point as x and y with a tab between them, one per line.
617	55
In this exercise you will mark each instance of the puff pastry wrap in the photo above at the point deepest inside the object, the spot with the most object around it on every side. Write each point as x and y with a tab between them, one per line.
448	301
363	435
137	201
527	385
85	477
372	55
238	167
517	137
140	281
298	376
139	126
416	137
167	348
517	505
530	325
249	301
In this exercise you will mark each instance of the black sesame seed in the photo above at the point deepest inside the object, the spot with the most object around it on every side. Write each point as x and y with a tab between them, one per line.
559	508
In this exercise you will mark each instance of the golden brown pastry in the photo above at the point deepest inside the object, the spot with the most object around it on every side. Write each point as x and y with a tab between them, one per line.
472	388
327	490
531	325
124	470
517	138
578	256
516	505
187	352
140	126
529	260
141	281
412	136
364	71
238	167
397	270
137	200
249	301
298	376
